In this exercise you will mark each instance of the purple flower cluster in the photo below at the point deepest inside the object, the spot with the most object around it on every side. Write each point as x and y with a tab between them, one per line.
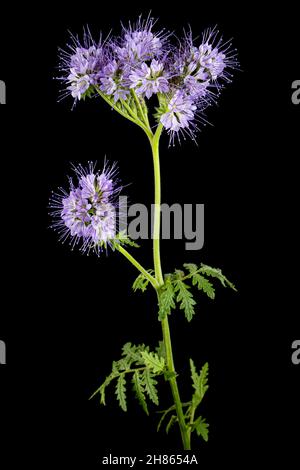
186	77
86	213
149	79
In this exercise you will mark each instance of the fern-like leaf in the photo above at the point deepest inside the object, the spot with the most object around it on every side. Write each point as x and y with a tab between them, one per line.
185	298
123	239
139	390
121	392
216	273
191	267
141	282
205	285
200	281
154	362
203	380
150	386
132	353
201	427
102	389
161	349
166	299
195	376
200	383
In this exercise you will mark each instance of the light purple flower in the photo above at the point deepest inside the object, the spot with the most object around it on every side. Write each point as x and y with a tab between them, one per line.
186	76
216	56
195	88
79	85
138	43
80	65
181	111
113	81
86	60
200	70
213	61
148	80
86	213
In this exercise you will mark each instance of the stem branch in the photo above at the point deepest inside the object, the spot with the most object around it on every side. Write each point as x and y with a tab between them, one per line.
137	265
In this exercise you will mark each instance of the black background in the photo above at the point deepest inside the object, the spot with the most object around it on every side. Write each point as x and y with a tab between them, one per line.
65	316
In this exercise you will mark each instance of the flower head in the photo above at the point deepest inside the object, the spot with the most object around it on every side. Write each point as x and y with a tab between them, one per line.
138	43
80	65
208	63
196	76
86	212
114	80
131	68
180	113
148	80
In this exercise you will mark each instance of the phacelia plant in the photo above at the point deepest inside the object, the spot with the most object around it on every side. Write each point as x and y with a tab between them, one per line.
182	78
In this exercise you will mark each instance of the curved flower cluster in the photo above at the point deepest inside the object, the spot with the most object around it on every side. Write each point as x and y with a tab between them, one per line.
149	79
186	77
86	213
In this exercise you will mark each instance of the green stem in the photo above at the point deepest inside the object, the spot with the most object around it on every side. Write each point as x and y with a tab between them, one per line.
141	110
157	202
185	435
137	265
137	120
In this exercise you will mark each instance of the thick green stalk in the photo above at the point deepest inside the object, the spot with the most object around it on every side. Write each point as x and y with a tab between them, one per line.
185	435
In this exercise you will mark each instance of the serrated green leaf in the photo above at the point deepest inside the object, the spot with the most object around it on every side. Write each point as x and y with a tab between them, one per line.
195	376
141	282
161	349
185	298
153	361
150	386
124	239
127	348
191	267
205	285
101	390
132	353
200	383
201	428
203	380
124	364
121	391
216	273
179	274
115	368
139	390
166	299
200	281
